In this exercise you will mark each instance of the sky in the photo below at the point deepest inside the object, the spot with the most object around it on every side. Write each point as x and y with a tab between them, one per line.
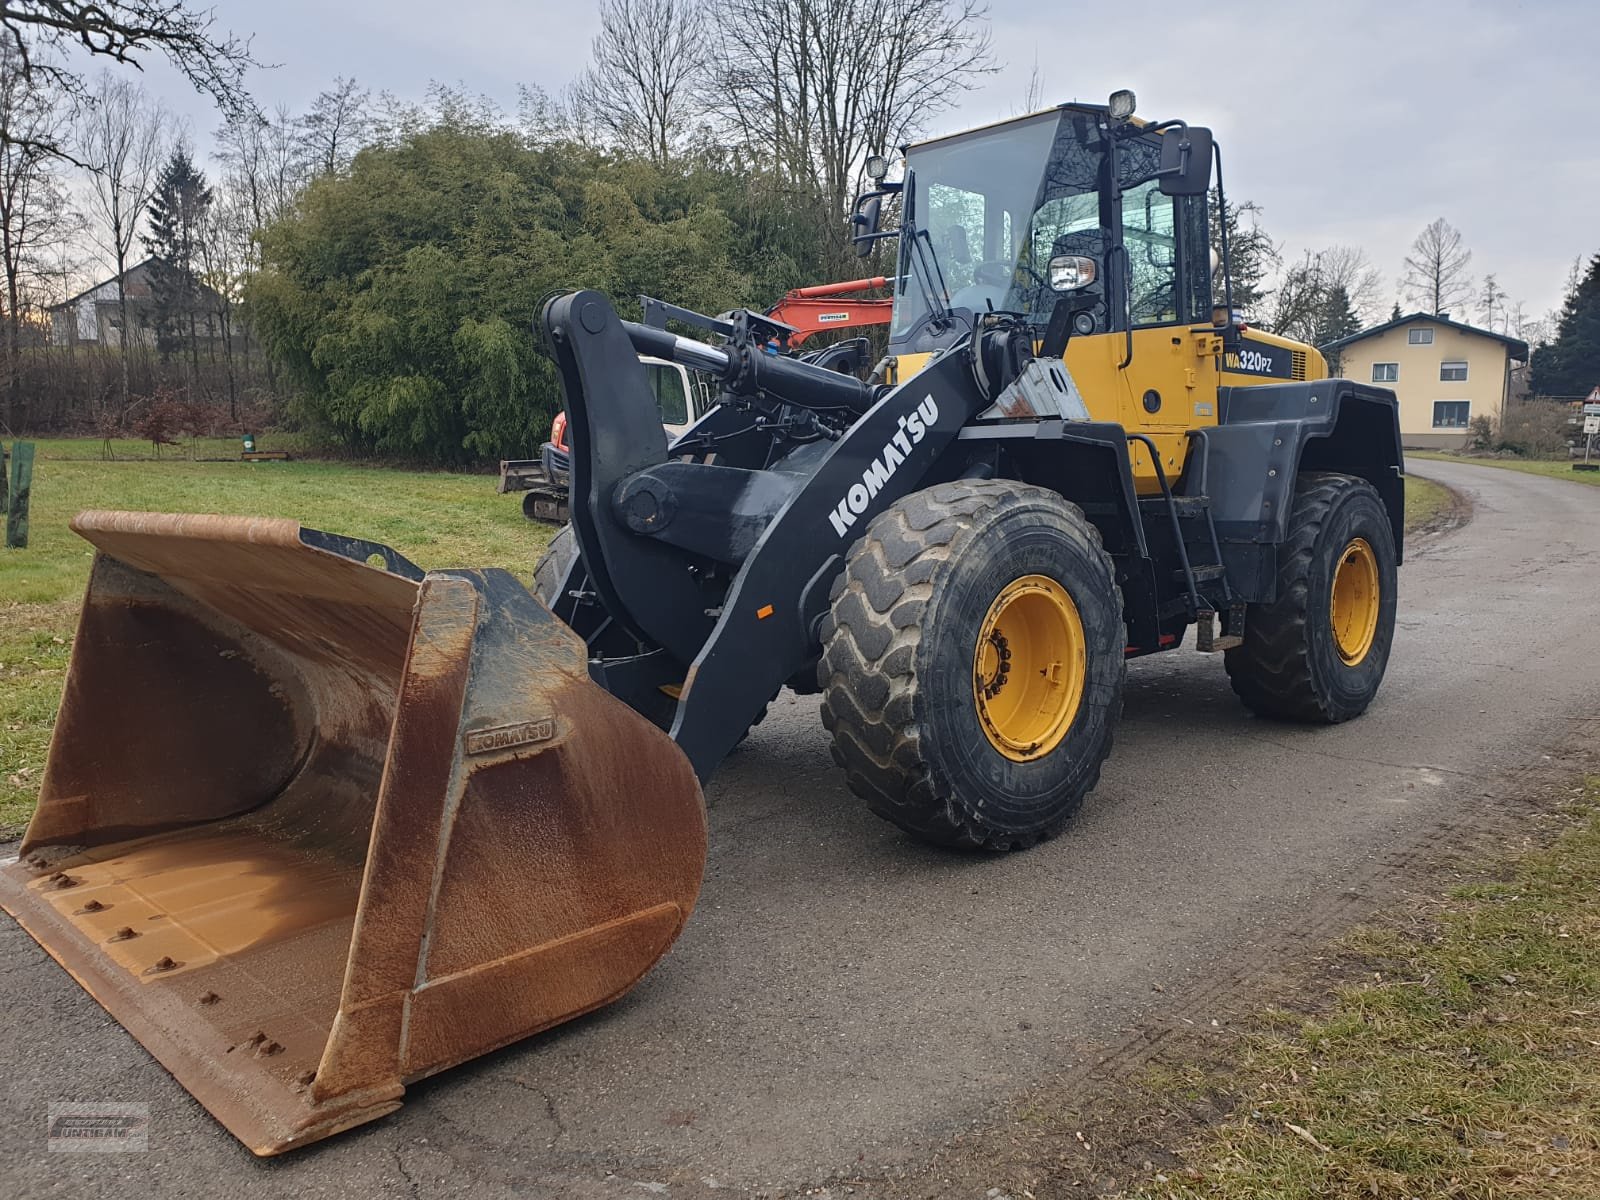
1348	123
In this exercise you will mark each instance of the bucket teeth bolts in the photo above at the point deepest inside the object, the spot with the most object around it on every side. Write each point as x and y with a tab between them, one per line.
163	964
126	934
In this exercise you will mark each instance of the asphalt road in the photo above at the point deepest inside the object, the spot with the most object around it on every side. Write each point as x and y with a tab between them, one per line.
846	1000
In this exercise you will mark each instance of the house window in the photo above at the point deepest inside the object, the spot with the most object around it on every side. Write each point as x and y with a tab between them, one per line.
1385	372
1452	371
1420	337
1451	414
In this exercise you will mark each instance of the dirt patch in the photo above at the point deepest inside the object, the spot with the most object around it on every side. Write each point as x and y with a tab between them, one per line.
1454	512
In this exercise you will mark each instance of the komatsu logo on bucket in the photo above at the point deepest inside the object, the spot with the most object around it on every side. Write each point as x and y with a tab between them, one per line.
913	428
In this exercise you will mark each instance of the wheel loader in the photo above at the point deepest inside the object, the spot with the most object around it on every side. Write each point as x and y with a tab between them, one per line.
316	824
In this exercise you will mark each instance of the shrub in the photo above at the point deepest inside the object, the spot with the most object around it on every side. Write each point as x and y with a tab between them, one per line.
1535	429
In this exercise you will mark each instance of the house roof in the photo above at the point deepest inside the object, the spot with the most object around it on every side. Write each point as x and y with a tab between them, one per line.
136	283
128	277
1515	347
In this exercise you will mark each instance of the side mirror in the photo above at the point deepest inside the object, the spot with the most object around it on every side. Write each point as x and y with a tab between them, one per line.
864	223
1186	152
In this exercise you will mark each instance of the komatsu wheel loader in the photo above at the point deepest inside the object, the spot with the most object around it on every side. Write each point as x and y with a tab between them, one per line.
316	824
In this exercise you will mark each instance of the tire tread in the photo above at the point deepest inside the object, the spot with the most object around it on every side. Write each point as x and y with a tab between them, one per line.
867	670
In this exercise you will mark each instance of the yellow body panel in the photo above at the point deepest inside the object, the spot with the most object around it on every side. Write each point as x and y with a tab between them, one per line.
1180	367
1309	363
1177	368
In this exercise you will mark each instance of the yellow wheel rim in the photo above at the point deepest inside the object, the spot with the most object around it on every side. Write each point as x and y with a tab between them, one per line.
1353	608
1029	667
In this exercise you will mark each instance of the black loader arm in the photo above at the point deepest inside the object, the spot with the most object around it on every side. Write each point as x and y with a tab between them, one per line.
768	627
724	556
615	430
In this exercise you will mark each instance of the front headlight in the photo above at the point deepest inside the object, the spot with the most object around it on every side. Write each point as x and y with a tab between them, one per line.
1069	272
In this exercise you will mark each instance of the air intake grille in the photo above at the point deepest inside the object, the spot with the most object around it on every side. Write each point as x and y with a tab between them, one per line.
1297	365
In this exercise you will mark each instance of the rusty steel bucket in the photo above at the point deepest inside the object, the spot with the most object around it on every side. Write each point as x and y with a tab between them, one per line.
312	828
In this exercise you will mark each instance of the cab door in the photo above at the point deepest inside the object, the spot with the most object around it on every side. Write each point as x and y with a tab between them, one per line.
1169	357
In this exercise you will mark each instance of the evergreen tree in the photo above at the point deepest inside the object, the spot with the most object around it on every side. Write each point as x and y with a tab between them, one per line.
1570	365
177	220
1336	317
1252	255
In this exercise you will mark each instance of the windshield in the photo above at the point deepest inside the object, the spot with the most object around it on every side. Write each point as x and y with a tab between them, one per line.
996	205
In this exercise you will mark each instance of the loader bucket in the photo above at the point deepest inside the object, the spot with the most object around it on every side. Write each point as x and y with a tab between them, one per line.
312	828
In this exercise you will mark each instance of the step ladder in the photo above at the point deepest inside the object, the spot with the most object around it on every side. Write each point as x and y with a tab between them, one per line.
1210	637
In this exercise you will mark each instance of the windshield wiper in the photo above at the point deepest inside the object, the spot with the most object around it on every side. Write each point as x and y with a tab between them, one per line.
922	253
934	290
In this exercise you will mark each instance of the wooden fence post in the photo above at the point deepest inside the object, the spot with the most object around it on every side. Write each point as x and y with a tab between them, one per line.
21	485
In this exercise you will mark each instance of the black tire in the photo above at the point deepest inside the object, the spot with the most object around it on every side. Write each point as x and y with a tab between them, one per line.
554	564
897	668
1290	666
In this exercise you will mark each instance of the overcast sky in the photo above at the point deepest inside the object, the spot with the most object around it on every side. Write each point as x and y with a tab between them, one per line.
1352	123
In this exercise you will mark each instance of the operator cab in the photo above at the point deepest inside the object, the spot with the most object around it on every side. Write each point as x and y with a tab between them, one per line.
1026	217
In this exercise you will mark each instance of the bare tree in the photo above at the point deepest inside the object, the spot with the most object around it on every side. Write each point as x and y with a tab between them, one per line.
1297	299
337	126
1436	269
129	32
1349	268
223	249
645	86
1492	304
120	143
544	117
34	213
1033	97
815	86
264	163
1536	331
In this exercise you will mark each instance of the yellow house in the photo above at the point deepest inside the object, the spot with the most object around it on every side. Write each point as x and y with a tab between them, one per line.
1444	373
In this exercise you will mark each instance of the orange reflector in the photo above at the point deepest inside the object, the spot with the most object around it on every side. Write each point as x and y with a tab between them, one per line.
763	612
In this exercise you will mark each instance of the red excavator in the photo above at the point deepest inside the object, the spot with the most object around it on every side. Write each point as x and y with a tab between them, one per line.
811	310
684	397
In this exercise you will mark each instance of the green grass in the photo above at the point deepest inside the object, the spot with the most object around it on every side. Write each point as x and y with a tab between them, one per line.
435	519
1425	501
1553	470
1466	1063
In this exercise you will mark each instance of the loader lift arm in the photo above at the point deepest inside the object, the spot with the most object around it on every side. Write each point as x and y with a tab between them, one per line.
736	632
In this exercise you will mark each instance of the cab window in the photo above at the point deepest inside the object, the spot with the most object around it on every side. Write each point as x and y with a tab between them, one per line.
972	238
667	384
1150	235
